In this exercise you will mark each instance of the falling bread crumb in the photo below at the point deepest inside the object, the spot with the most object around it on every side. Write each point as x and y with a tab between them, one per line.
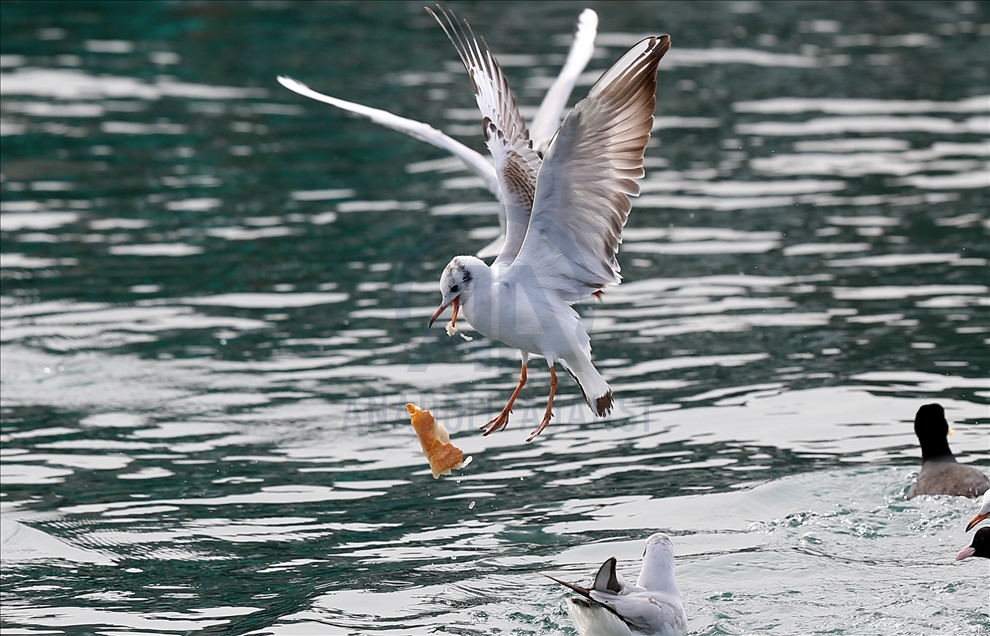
435	440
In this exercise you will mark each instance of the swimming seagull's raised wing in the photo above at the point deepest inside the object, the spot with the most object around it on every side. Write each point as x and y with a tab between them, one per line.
418	130
591	615
547	118
607	579
588	174
516	163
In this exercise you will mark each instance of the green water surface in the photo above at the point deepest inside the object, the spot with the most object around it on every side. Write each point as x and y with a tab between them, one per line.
215	297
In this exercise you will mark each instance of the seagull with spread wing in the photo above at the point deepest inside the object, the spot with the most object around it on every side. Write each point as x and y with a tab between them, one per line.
542	128
565	210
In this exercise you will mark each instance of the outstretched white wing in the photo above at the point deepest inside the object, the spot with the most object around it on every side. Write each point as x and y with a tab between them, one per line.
544	125
516	163
424	132
547	118
588	174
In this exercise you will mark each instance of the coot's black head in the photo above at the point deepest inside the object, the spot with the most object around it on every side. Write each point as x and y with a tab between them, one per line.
979	548
932	431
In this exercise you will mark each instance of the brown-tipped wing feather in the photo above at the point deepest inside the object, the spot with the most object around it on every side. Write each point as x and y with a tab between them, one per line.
516	163
588	174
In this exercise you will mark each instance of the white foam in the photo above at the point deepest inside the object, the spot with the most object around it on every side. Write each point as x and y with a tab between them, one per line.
68	84
156	249
869	125
15	221
893	292
794	105
268	301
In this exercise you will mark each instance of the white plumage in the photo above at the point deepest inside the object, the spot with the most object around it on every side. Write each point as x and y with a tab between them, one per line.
564	214
652	607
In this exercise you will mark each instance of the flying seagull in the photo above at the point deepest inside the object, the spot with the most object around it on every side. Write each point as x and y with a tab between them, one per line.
565	211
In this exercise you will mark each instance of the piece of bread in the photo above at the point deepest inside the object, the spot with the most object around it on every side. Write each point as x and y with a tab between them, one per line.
435	440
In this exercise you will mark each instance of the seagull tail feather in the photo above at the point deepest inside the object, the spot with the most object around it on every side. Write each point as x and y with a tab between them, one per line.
594	388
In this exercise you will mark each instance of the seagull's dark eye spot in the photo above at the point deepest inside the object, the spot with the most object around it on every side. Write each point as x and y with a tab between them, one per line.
455	288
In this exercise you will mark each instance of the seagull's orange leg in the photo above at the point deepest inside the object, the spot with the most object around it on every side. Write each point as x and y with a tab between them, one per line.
549	411
502	419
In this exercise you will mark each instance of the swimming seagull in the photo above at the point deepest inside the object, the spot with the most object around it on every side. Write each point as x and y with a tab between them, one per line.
940	473
542	128
564	214
979	548
982	514
652	607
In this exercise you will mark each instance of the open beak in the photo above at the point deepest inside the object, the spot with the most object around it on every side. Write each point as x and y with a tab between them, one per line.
453	319
978	518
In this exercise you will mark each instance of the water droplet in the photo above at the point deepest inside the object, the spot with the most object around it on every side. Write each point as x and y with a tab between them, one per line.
812	538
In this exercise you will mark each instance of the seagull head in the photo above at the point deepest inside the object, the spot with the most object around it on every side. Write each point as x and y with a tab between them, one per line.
659	547
456	283
658	565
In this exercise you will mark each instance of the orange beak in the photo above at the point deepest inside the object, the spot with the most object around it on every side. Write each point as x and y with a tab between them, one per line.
978	518
453	319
